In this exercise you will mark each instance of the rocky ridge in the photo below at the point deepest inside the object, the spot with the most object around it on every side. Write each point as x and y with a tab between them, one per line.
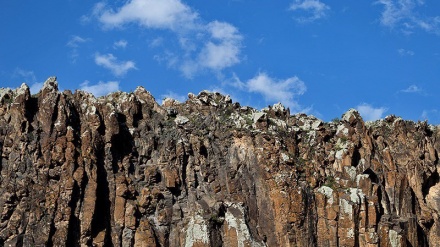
122	170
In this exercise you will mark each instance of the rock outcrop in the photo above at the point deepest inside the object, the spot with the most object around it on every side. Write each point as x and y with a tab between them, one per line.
121	170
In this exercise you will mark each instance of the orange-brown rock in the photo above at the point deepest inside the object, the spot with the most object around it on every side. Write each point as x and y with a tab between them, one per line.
122	170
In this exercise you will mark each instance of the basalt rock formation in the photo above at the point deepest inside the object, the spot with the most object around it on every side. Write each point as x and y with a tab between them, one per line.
122	170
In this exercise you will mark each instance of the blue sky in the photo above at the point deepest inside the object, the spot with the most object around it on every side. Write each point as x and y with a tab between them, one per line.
320	57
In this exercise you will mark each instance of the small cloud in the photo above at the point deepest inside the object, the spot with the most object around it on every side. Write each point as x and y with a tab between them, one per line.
224	48
431	24
27	75
168	14
96	11
118	68
169	58
274	90
403	14
403	52
36	87
315	9
395	11
84	19
412	89
156	42
120	44
369	113
101	88
221	49
173	95
75	41
188	68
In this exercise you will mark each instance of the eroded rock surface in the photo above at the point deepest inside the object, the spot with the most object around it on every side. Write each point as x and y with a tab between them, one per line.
121	170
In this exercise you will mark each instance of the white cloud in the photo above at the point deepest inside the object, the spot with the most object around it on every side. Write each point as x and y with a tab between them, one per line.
412	89
110	62
403	52
101	88
156	42
431	24
403	14
224	49
274	90
218	56
165	14
369	113
169	58
120	44
75	41
96	11
315	8
395	11
221	50
202	46
27	75
188	68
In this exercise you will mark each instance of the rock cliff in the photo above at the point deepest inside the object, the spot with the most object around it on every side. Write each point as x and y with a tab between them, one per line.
122	170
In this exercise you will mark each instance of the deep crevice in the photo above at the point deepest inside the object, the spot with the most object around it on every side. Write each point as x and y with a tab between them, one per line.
372	175
356	224
310	217
413	201
31	106
356	157
184	166
52	228
327	138
380	207
73	233
77	196
138	116
156	239
203	151
102	215
421	236
55	113
432	180
122	143
215	225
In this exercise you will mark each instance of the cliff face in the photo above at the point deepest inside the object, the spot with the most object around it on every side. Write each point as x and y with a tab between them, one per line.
122	170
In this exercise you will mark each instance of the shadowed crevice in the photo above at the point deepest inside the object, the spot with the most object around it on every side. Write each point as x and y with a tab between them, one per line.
432	180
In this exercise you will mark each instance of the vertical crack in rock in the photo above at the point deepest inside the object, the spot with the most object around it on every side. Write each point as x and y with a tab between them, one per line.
101	218
73	236
429	182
